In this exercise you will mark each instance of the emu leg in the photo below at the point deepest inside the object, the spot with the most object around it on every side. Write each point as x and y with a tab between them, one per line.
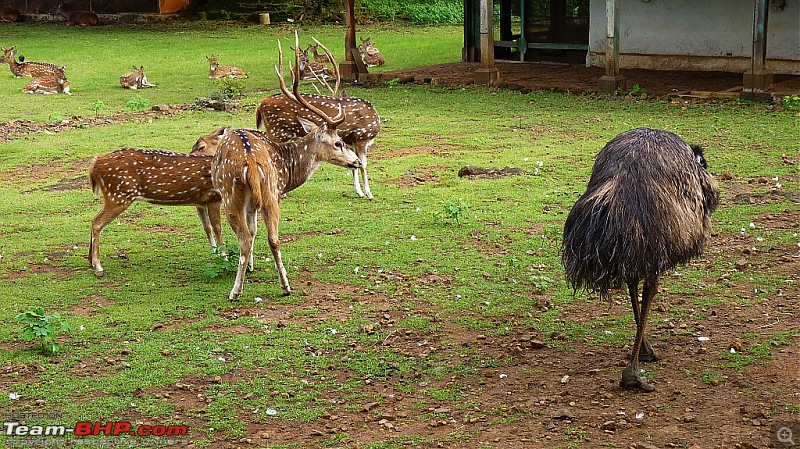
646	352
631	376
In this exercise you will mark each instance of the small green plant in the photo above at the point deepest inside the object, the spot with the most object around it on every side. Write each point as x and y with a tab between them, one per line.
42	327
638	90
227	88
137	103
791	102
226	260
542	283
56	118
452	211
97	106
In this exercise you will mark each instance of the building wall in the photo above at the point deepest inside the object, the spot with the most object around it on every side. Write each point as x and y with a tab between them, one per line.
696	35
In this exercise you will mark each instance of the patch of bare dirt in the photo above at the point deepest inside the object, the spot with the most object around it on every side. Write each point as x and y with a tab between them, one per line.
579	79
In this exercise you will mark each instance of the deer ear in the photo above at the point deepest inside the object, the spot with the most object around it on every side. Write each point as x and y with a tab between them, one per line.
308	125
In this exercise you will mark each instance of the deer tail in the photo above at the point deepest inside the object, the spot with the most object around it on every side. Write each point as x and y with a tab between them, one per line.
252	178
258	118
92	181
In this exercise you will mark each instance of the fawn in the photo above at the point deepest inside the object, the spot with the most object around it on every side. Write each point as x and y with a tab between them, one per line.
49	84
158	177
370	54
278	116
135	79
252	173
216	71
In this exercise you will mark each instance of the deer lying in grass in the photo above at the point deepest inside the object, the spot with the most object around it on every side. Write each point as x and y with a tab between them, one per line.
82	18
278	116
323	58
135	79
310	70
30	68
11	14
158	177
49	84
251	172
370	54
216	71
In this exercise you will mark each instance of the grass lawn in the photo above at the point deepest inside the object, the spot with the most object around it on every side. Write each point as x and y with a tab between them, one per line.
422	294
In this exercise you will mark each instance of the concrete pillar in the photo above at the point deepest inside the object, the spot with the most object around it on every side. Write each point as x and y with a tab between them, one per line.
612	82
758	81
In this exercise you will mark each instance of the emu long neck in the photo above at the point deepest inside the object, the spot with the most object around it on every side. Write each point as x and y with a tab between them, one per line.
299	162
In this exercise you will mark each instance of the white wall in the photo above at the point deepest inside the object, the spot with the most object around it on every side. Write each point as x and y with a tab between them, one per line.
696	35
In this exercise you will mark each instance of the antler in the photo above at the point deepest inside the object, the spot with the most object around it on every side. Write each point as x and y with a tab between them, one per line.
295	95
334	92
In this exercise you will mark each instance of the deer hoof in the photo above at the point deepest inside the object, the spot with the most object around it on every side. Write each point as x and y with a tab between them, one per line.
99	273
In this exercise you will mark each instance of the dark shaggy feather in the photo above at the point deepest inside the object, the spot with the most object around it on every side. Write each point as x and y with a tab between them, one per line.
645	210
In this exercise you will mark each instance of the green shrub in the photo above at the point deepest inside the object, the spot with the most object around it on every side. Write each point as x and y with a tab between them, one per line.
42	327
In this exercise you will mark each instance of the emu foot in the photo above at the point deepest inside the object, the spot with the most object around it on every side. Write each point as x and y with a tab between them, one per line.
632	380
647	353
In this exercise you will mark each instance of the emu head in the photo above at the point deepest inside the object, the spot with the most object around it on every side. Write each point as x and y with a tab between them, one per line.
698	156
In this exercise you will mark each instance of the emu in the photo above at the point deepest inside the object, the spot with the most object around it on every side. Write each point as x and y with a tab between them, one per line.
646	209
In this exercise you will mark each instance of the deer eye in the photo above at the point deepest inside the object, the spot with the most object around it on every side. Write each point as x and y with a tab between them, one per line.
339	145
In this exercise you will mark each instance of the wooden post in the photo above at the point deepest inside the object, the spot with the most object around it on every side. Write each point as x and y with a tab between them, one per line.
348	68
612	82
487	73
757	81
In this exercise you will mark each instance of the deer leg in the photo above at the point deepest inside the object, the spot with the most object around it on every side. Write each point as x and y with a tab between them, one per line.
213	211
271	219
361	151
646	353
252	225
205	220
107	214
237	221
631	375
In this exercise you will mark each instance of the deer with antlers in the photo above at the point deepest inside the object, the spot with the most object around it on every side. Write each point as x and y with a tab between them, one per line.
29	68
252	173
49	84
216	71
135	79
278	116
158	177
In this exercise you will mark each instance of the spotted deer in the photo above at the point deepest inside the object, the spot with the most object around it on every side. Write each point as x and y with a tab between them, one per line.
323	58
216	71
49	84
135	79
313	70
29	68
252	173
278	116
158	177
82	18
370	54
